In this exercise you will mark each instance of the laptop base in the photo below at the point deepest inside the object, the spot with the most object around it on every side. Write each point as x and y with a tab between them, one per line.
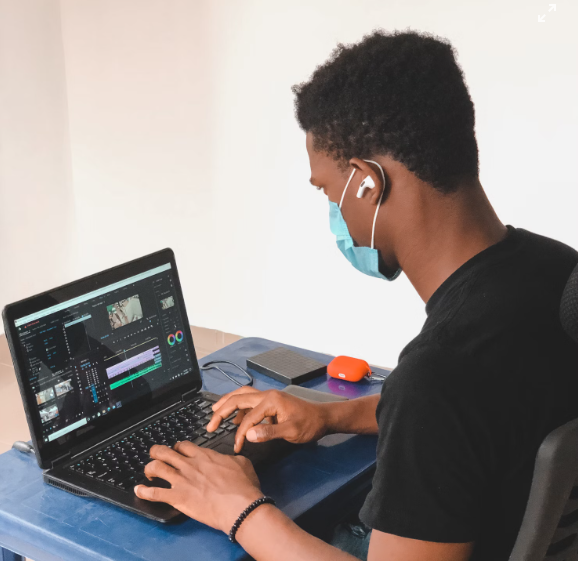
82	485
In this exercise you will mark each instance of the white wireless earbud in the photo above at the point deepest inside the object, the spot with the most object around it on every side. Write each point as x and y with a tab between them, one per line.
367	183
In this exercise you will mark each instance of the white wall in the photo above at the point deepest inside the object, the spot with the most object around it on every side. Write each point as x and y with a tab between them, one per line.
36	237
182	134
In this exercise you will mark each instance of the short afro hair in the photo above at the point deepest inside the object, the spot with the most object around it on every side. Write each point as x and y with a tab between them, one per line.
400	94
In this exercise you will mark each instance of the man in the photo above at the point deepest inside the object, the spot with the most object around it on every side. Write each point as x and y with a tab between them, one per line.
390	135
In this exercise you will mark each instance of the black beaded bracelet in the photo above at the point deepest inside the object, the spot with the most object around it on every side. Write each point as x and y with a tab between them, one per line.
243	516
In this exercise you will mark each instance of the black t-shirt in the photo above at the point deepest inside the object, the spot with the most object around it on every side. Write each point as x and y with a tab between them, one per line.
463	414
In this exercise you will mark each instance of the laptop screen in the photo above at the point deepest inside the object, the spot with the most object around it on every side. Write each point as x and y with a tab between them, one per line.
92	355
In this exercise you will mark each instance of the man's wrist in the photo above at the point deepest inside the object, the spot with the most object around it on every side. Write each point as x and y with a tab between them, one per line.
261	514
329	416
236	507
351	416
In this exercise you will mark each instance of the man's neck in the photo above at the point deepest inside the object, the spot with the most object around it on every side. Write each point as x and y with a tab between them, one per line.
454	229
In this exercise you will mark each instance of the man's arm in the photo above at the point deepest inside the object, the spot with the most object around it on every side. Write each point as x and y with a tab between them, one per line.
352	416
294	419
268	534
215	488
384	546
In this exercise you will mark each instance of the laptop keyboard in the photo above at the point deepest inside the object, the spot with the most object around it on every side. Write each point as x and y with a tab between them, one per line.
121	464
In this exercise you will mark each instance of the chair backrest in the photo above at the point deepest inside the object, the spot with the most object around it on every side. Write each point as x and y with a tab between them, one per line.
549	529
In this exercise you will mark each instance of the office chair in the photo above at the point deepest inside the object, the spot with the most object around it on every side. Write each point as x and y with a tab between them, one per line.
549	529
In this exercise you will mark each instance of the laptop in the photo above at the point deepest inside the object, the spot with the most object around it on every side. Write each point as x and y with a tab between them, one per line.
107	368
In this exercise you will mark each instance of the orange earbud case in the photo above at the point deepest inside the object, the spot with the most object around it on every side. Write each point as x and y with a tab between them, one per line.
348	368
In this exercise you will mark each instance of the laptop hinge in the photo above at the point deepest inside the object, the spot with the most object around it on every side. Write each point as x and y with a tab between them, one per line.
58	461
190	394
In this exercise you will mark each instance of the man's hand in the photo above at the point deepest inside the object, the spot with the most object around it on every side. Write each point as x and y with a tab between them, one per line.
215	489
290	418
205	485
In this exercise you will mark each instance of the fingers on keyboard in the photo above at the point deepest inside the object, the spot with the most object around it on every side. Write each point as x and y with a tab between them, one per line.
122	463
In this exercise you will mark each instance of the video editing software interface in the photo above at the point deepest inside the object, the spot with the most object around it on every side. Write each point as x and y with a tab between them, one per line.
96	353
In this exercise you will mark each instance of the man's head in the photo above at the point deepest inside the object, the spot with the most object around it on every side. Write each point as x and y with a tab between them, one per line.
398	94
400	99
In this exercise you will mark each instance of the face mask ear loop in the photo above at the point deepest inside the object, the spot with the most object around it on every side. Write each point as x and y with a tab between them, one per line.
346	186
378	203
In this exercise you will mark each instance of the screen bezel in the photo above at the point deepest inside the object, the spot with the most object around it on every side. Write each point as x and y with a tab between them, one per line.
101	428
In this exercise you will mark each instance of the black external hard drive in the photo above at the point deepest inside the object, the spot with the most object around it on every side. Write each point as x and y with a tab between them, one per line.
286	366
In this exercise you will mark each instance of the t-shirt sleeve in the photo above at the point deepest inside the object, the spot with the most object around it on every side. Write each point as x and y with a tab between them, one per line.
433	454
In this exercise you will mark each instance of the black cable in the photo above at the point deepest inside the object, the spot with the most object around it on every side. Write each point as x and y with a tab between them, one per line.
211	365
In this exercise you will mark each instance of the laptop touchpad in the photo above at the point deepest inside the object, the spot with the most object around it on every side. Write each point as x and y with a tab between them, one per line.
225	449
226	446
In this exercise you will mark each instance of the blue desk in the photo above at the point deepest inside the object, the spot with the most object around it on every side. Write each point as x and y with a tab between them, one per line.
315	486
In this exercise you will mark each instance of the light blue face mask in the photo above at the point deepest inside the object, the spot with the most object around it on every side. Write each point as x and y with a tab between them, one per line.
362	258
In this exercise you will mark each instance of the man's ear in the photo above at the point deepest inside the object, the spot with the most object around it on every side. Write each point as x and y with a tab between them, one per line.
371	171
